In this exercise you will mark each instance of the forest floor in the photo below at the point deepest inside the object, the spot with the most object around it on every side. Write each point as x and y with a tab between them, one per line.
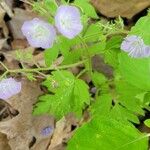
23	132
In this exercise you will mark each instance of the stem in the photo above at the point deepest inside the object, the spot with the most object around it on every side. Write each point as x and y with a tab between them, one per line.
3	65
117	32
88	55
47	68
3	75
81	73
112	33
39	70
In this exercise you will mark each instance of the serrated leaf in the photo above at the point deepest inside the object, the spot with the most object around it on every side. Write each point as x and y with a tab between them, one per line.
42	107
135	71
93	32
58	80
65	46
87	8
70	96
105	134
123	115
114	42
127	97
73	56
147	122
30	76
97	48
51	54
112	50
102	106
142	29
98	79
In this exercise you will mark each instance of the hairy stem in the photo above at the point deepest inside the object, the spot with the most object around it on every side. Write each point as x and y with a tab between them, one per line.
39	70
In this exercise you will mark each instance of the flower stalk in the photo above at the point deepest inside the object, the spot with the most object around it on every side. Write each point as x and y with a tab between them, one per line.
39	70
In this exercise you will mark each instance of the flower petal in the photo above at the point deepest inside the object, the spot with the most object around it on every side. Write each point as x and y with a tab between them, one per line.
135	47
68	21
39	33
8	88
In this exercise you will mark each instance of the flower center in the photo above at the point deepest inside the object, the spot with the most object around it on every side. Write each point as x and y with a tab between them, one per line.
66	22
40	32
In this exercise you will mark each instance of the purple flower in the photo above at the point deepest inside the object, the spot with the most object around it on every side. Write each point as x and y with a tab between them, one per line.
135	47
68	21
39	33
47	131
8	88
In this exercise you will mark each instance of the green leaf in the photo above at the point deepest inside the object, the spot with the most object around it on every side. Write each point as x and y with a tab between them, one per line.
46	8
51	54
30	76
123	115
127	96
146	98
114	42
135	71
80	96
42	107
70	95
147	122
73	56
93	32
102	106
87	8
107	134
65	45
51	6
112	50
142	29
97	48
24	56
98	79
58	80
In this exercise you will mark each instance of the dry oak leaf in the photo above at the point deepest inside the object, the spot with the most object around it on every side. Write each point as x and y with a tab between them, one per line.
123	8
20	128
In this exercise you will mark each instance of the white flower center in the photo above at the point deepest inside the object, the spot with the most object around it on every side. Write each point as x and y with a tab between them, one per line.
40	32
66	22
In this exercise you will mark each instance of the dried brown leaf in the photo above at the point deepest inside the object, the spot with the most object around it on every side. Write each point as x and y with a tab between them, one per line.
123	8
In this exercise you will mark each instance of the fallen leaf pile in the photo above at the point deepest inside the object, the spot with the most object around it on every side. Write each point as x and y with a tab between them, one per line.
23	130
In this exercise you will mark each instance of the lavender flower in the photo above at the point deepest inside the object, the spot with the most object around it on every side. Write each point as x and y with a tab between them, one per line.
39	33
135	47
8	88
47	131
68	21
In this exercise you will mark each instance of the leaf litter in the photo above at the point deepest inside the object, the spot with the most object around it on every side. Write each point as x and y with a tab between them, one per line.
24	128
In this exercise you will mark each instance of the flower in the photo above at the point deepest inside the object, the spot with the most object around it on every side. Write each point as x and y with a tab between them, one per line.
39	33
135	47
68	21
8	88
47	131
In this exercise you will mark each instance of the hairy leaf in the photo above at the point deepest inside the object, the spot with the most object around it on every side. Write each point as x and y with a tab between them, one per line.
142	29
105	134
135	71
70	95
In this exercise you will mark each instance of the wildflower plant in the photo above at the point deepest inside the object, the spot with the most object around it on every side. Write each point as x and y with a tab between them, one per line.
75	33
